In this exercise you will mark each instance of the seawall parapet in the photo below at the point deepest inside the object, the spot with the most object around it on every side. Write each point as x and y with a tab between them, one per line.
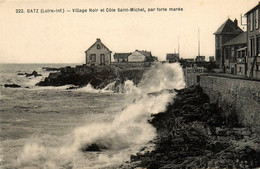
235	96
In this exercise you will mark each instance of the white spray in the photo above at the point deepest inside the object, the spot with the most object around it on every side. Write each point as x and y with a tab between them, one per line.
128	130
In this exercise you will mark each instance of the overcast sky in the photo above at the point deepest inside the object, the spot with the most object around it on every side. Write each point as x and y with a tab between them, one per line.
63	37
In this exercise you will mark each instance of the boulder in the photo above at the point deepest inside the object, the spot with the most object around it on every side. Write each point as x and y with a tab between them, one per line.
12	85
34	73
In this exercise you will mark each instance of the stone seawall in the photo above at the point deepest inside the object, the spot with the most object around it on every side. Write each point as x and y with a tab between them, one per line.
235	96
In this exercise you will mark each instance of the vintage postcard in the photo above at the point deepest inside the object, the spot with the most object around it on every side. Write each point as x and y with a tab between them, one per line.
129	84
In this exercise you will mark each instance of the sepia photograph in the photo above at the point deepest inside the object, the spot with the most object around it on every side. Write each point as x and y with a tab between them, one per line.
128	84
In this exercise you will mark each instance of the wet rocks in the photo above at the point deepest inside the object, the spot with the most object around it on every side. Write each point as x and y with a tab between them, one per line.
12	85
97	80
194	133
51	69
98	77
93	147
34	73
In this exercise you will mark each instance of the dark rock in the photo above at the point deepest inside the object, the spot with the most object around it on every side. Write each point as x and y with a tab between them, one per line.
93	147
72	88
154	165
51	69
12	85
34	73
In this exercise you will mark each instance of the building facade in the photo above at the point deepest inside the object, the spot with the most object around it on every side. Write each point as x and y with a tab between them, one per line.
227	31
235	55
141	56
200	58
121	57
98	54
172	57
253	42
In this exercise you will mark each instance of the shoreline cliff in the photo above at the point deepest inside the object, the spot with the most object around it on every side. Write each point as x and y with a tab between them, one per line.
193	133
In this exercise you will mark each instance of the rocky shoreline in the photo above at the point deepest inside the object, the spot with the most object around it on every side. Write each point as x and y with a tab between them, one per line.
193	133
98	78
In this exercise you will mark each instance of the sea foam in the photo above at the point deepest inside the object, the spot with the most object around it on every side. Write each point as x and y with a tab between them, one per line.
125	134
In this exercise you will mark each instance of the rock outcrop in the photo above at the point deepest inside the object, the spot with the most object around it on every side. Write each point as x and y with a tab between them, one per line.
193	133
97	77
97	80
12	85
34	73
51	69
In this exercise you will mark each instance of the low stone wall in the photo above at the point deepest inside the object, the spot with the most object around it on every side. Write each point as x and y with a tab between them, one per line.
238	96
132	64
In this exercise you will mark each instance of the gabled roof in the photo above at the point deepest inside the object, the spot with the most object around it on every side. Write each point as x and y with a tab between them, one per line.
121	55
98	40
239	39
257	6
145	53
228	27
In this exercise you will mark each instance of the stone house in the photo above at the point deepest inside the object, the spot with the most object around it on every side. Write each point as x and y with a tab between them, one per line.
253	42
235	55
227	31
98	54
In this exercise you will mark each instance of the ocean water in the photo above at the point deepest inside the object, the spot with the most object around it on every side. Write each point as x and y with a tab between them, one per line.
46	127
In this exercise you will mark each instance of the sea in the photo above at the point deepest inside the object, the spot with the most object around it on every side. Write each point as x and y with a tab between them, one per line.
49	127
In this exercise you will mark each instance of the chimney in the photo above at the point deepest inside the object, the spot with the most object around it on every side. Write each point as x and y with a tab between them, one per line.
235	21
98	39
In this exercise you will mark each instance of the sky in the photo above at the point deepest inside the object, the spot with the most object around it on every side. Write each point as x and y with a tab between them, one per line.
64	37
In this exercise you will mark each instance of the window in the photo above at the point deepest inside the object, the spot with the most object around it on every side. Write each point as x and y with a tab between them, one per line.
257	66
243	53
102	58
98	46
92	57
217	41
258	46
251	21
256	19
240	69
252	47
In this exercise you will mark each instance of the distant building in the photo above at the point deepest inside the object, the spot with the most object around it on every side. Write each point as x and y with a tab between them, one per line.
227	31
253	42
141	56
98	54
188	62
187	59
200	59
172	57
121	57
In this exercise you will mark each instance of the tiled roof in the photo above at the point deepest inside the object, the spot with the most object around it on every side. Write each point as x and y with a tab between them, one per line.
121	55
228	27
239	39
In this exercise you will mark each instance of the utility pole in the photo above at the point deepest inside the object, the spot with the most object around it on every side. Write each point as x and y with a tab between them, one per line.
178	46
198	41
